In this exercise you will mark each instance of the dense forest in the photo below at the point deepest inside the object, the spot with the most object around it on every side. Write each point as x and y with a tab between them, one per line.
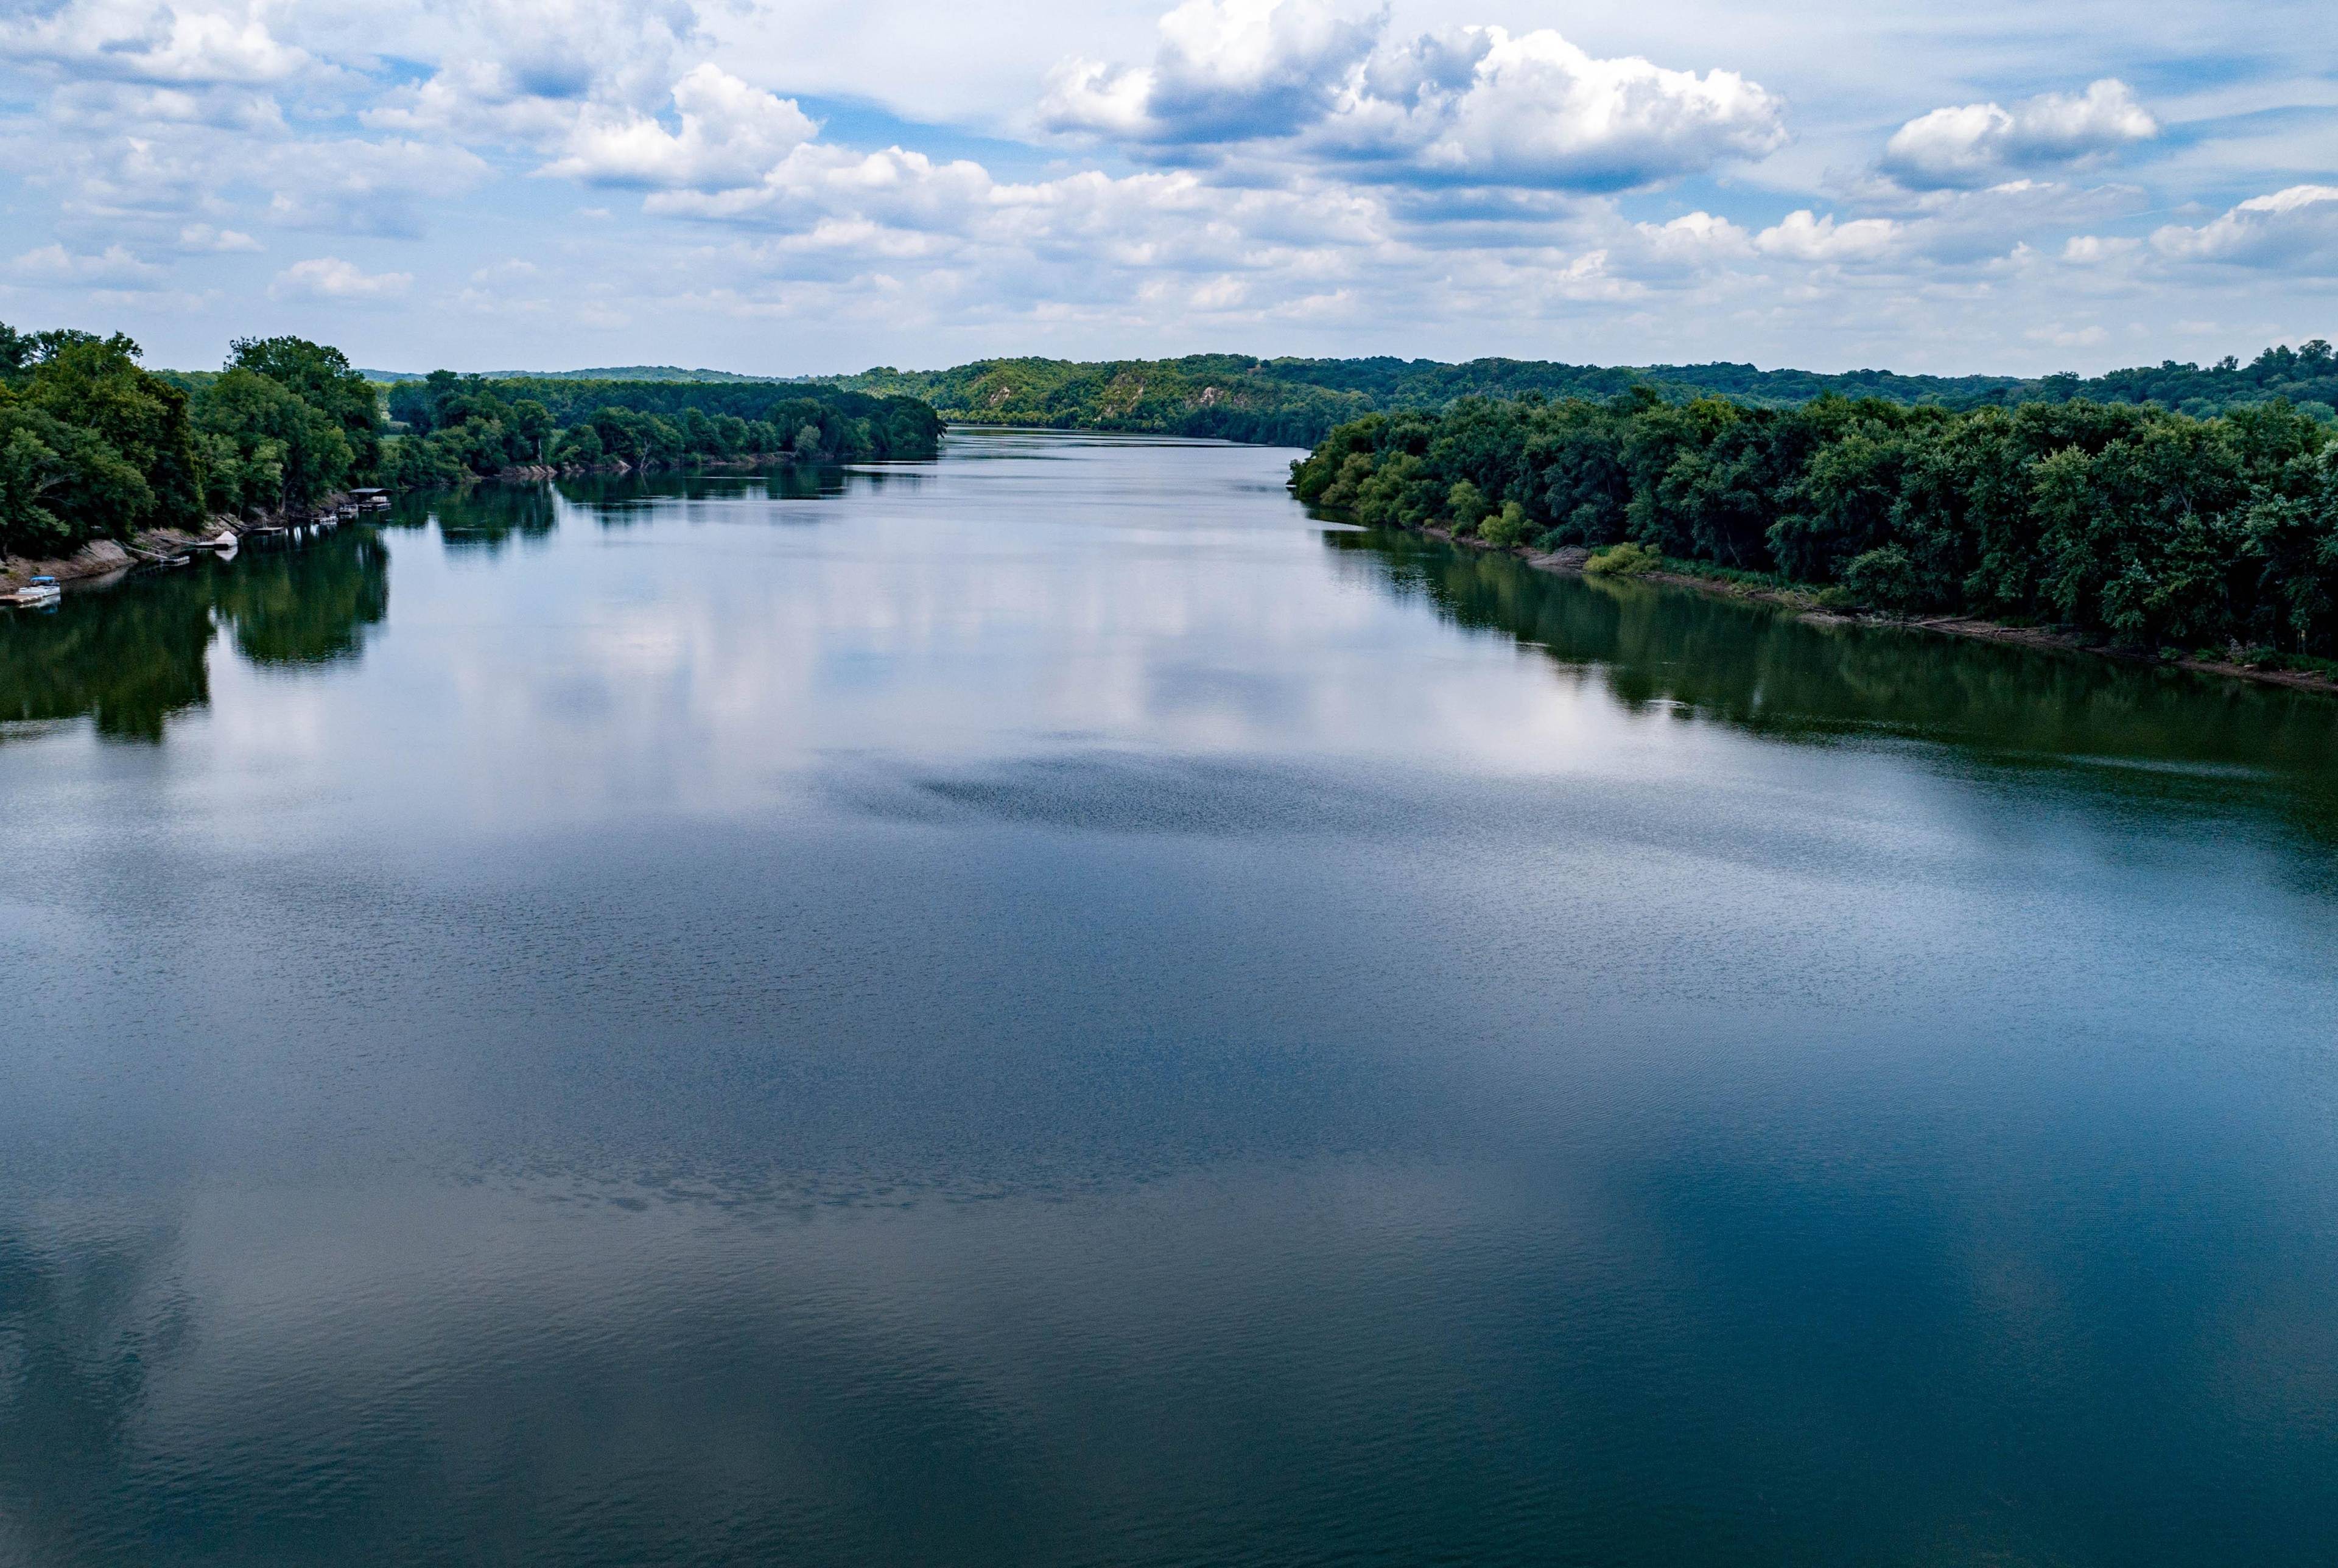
2138	525
95	445
606	373
1295	402
449	425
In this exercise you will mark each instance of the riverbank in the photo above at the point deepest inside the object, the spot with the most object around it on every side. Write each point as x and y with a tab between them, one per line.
1804	600
102	560
617	467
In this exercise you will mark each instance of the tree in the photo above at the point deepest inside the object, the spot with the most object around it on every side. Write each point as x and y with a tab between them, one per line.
98	385
267	446
60	483
323	378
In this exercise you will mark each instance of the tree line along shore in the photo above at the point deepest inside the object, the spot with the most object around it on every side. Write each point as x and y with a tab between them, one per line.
98	452
2207	536
2129	527
1293	402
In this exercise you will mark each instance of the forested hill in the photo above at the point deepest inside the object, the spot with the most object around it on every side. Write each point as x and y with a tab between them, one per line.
627	372
1296	402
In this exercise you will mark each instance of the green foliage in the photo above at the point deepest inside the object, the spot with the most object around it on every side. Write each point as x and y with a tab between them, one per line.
1884	578
1465	504
1506	528
95	445
323	378
1629	559
484	425
2142	527
1298	402
266	446
61	485
91	443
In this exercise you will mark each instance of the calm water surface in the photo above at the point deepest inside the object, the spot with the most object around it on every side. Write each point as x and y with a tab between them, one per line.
1046	1009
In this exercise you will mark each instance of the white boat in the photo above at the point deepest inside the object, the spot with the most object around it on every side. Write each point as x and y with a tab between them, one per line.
226	540
39	591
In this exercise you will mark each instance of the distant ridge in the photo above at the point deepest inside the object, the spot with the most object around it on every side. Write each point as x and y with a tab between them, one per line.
1295	402
603	373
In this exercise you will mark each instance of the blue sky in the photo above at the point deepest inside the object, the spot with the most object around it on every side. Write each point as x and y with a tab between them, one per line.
825	186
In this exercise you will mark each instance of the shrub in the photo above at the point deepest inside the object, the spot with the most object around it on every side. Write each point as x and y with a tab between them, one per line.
1466	503
1628	559
1884	579
1509	528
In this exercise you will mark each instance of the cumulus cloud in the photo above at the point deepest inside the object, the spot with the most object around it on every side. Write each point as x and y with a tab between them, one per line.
1804	237
109	104
728	134
2299	224
177	44
525	72
1980	144
1692	241
140	181
207	239
1474	105
330	279
1297	161
113	268
2097	250
1226	71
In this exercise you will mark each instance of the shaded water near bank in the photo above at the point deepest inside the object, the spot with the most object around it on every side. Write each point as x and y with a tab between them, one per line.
1046	1007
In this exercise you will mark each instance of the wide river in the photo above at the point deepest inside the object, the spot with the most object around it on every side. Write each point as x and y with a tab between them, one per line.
1048	1008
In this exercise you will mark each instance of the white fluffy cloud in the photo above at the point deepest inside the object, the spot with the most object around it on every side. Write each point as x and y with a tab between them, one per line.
728	134
1804	237
2299	225
205	238
1981	143
332	281
179	46
1315	174
525	72
1472	105
1225	71
113	268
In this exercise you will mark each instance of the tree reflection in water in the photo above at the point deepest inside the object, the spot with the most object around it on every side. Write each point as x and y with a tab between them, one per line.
1759	667
131	657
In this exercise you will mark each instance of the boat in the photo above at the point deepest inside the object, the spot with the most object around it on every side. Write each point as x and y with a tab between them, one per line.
39	591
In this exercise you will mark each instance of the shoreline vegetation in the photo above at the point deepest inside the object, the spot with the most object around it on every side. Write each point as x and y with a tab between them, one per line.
2205	537
104	464
2207	544
1298	402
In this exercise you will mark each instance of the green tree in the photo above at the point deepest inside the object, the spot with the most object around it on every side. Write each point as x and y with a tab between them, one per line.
267	446
323	378
98	386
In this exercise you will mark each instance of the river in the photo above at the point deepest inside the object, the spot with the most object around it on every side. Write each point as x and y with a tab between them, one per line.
1048	1008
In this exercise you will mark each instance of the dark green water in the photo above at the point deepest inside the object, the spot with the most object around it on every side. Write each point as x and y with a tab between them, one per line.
1048	1009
